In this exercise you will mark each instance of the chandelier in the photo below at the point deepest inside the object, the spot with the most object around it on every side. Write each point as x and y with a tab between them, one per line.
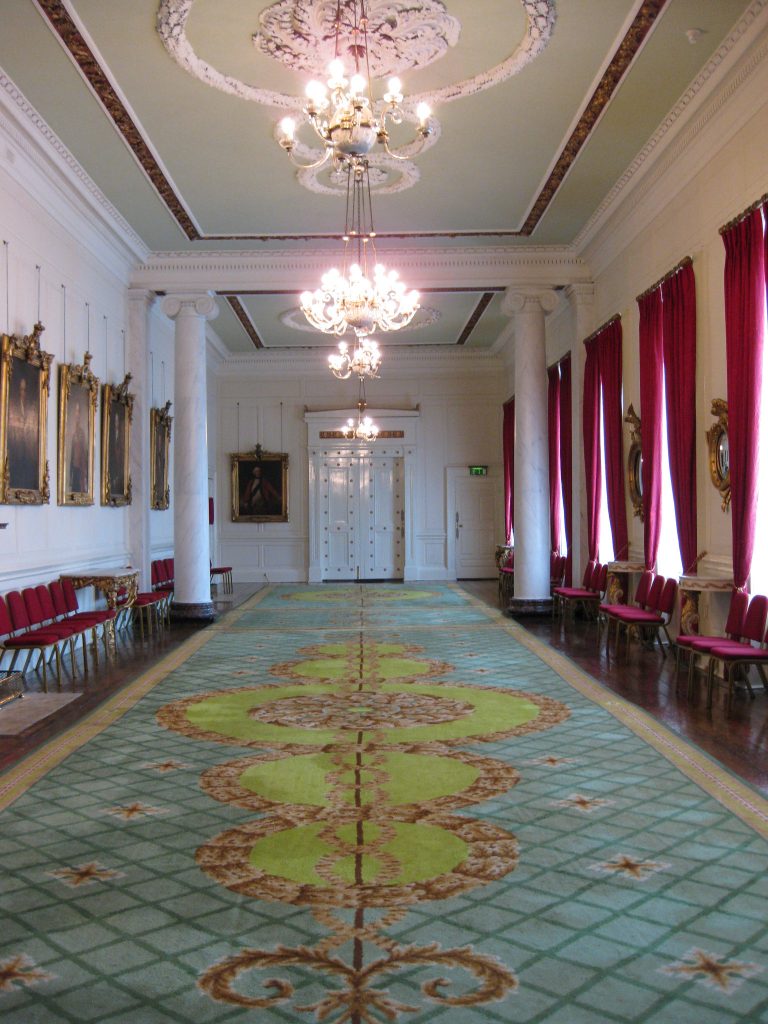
356	297
365	429
364	361
343	113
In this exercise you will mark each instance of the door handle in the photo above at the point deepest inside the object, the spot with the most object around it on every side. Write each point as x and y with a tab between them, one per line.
458	526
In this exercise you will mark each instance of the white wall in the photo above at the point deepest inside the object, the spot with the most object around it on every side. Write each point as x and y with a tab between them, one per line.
459	424
78	293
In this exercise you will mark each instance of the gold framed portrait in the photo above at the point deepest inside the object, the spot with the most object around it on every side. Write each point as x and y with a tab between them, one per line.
25	373
78	395
116	420
160	447
259	486
635	463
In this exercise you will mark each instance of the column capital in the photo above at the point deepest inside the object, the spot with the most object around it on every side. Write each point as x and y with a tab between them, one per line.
200	304
528	299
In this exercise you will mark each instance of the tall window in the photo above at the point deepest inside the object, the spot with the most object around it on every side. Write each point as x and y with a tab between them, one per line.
605	537
759	575
668	561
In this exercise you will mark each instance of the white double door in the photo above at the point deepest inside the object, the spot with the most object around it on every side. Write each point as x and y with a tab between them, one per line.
361	505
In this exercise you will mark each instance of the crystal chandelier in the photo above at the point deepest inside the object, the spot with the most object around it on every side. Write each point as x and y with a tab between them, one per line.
343	113
353	296
364	361
365	429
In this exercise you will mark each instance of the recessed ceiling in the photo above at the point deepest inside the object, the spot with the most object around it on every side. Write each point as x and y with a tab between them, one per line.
524	161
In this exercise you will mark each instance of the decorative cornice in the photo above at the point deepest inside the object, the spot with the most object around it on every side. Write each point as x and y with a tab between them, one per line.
649	156
619	65
25	126
62	23
245	321
473	321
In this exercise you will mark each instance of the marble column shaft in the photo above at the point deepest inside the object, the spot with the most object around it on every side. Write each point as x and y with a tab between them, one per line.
191	547
137	340
532	541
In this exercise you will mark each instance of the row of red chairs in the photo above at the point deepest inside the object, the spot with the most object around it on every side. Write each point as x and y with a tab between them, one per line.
43	619
587	597
745	626
654	604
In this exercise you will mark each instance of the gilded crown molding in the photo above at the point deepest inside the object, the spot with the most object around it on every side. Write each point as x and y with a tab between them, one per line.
35	139
658	157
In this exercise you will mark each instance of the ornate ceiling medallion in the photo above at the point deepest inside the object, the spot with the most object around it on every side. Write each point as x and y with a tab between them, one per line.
402	35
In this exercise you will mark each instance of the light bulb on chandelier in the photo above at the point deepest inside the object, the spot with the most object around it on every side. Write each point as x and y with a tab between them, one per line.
342	112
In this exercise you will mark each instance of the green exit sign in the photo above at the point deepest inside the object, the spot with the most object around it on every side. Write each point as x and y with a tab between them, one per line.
478	471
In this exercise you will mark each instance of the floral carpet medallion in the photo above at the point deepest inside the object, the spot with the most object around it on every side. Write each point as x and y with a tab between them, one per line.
355	786
377	804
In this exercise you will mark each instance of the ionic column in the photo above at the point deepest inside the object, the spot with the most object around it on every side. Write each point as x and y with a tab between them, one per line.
582	299
191	549
528	307
137	342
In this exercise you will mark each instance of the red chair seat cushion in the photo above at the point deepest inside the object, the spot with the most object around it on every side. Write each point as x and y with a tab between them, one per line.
702	643
142	600
221	568
736	651
577	593
33	638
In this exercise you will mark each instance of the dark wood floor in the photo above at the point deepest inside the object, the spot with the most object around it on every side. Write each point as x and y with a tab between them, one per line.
736	740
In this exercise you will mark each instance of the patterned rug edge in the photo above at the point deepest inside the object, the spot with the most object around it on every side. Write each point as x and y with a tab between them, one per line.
20	777
716	780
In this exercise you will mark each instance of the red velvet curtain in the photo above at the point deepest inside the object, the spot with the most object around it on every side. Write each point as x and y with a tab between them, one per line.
592	458
566	463
745	263
679	333
651	393
508	440
610	358
553	435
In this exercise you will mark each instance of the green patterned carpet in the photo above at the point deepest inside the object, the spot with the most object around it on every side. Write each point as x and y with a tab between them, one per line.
372	804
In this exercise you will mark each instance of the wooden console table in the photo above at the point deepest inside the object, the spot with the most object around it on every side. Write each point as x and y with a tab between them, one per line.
109	583
617	589
690	588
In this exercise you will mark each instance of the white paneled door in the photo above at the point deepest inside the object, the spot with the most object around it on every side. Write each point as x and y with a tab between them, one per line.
473	505
362	508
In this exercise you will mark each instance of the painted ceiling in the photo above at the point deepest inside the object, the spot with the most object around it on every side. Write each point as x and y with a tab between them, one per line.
171	107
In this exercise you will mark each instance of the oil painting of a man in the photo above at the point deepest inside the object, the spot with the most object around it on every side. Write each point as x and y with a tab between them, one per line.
76	445
24	425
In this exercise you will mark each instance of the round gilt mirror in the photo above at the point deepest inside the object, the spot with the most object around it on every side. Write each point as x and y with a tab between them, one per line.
635	477
719	452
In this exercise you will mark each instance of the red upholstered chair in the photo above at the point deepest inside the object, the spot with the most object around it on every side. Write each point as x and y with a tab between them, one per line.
92	620
225	571
738	655
507	578
690	644
556	571
14	626
648	622
587	596
609	613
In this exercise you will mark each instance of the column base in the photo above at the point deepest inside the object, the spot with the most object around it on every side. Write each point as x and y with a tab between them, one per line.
520	607
201	612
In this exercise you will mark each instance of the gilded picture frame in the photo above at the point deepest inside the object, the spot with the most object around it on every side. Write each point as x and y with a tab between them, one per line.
160	447
259	486
116	421
25	373
719	452
78	397
635	463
